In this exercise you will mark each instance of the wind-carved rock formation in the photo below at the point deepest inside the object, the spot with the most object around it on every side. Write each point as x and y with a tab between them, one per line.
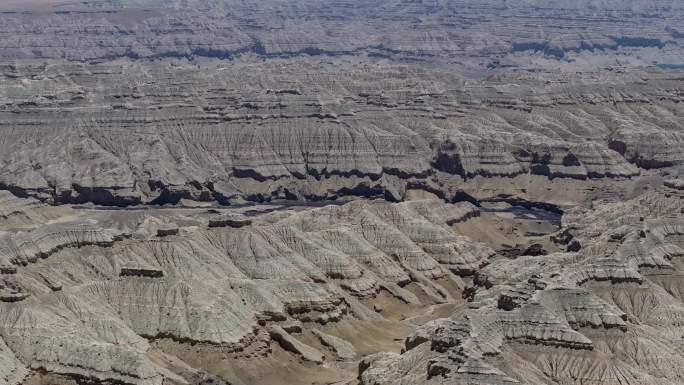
281	192
90	301
185	133
151	112
489	35
608	312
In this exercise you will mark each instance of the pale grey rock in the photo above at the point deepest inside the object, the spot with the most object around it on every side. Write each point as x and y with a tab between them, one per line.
216	132
232	141
290	343
12	371
109	278
677	184
591	311
343	349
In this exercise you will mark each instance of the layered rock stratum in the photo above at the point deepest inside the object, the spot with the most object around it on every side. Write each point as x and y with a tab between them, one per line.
106	89
341	192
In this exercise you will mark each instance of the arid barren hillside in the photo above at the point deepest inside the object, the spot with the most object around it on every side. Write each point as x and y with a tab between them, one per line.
341	192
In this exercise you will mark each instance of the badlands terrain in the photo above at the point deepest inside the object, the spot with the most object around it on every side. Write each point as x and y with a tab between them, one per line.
300	192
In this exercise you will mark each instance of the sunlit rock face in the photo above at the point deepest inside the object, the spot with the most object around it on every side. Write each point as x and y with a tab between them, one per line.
85	297
608	313
151	102
160	132
304	192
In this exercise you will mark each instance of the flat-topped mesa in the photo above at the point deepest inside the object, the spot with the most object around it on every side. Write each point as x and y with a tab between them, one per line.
27	247
230	220
167	231
534	324
322	310
9	295
140	271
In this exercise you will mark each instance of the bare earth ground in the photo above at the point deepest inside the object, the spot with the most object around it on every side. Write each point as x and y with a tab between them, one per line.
274	192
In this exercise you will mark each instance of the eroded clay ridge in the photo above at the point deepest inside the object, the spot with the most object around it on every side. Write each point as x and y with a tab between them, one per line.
140	132
200	295
341	192
136	102
607	314
473	35
90	294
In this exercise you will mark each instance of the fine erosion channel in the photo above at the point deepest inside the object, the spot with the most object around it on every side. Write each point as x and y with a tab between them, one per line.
341	192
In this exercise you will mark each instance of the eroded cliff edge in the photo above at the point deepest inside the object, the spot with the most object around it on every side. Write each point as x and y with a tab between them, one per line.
340	192
139	133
